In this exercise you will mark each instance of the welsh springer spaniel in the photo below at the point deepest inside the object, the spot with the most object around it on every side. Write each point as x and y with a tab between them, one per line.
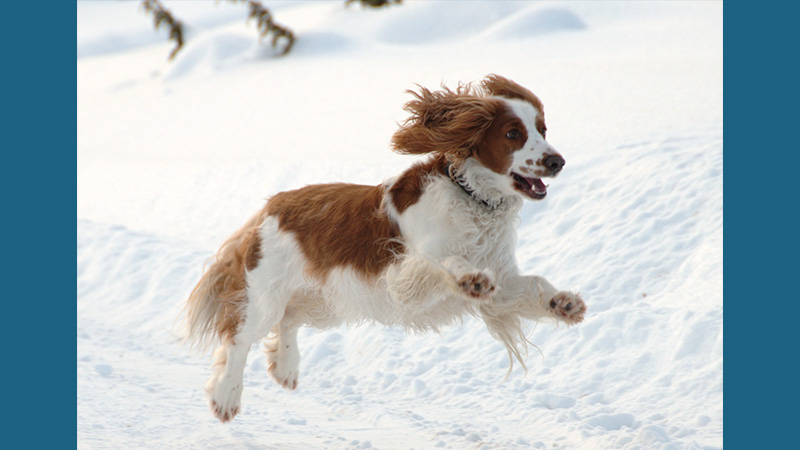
420	250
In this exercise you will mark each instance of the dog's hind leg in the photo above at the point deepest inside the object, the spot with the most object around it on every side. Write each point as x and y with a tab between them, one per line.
224	387
283	354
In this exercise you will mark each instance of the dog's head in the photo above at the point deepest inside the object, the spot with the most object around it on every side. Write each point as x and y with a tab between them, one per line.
498	124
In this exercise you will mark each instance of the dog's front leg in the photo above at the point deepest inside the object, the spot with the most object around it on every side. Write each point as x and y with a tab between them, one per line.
470	281
536	298
419	279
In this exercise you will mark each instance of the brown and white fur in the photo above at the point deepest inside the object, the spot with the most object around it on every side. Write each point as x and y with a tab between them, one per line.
420	250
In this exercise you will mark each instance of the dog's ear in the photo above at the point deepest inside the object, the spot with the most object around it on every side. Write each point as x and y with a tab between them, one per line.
499	86
444	122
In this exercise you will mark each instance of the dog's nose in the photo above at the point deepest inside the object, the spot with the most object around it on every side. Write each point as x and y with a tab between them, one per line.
554	163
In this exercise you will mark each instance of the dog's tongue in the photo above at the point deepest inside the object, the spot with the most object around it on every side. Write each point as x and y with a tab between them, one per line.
538	186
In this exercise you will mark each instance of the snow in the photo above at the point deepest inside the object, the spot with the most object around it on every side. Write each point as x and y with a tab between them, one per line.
173	156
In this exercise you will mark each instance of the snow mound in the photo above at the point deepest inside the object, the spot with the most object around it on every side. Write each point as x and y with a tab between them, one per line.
209	54
108	27
536	22
438	22
313	43
434	22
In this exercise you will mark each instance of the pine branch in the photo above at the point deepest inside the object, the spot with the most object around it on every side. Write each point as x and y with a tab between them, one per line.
162	16
373	3
266	25
263	17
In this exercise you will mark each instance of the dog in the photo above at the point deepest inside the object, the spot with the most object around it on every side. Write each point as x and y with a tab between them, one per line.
420	251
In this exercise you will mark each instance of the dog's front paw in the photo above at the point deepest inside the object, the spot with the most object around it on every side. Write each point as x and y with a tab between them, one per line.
478	285
568	307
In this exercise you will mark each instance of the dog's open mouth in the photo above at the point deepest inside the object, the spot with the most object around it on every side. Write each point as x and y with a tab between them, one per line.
532	187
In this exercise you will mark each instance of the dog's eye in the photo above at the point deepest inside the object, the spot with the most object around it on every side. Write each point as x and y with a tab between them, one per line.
544	133
513	135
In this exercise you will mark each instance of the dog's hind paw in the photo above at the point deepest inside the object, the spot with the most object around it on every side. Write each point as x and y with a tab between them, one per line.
478	285
284	377
226	402
568	307
224	412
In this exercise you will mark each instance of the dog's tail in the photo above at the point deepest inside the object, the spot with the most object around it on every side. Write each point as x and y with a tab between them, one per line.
215	307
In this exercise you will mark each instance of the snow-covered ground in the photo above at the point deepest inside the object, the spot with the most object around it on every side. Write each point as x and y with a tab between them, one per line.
174	156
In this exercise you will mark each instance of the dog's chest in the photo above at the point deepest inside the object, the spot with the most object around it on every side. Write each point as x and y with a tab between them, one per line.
446	222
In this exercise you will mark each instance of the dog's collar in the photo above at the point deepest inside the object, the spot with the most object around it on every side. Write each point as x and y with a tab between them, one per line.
459	181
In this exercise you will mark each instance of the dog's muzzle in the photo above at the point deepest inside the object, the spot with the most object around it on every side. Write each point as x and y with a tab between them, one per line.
554	163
